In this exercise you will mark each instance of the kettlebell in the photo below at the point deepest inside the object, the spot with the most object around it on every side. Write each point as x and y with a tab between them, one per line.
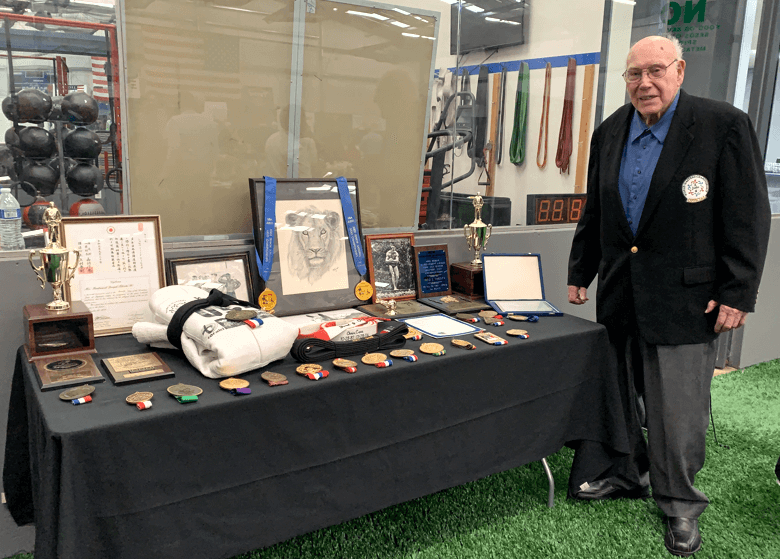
41	176
36	142
82	144
85	179
80	107
31	105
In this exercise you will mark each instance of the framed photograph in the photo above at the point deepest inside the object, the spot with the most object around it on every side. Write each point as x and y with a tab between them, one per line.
313	269
433	271
232	271
391	266
120	266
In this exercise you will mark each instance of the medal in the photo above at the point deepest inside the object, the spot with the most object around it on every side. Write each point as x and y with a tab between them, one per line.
267	300
463	344
185	393
487	314
493	321
523	318
345	365
373	358
364	291
312	371
232	383
413	334
136	397
405	354
467	318
519	333
433	349
274	379
77	392
240	315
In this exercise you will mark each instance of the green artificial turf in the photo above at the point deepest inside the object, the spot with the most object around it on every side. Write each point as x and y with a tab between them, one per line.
506	516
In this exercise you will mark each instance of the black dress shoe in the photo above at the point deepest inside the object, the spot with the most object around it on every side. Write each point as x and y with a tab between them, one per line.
605	489
682	536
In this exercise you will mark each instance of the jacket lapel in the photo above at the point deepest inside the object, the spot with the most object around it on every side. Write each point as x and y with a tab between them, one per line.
613	156
674	152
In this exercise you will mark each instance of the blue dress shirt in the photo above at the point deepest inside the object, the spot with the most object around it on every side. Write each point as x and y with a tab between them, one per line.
640	156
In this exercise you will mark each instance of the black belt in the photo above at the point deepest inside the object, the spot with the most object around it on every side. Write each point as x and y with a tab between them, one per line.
311	350
215	298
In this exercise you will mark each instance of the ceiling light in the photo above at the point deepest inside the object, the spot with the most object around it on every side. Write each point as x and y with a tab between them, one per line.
367	14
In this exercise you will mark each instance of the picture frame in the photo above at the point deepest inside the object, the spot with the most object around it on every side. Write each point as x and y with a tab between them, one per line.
302	284
231	270
432	265
120	266
391	266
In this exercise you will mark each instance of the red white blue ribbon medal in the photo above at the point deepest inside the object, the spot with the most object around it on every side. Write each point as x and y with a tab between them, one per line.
695	188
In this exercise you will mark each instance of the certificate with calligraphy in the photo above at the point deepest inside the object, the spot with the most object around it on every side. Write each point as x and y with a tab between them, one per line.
121	265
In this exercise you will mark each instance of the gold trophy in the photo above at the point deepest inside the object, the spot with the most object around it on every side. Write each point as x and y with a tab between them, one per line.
477	233
54	261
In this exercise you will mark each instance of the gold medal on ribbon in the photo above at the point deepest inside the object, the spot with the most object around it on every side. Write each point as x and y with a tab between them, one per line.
267	300
373	358
364	291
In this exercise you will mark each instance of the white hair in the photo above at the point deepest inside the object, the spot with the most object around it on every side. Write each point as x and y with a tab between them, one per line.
676	42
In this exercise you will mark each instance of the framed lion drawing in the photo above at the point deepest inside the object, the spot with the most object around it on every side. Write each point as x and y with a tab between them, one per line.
312	268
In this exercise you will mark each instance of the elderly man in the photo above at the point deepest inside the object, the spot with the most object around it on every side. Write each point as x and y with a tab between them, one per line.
676	227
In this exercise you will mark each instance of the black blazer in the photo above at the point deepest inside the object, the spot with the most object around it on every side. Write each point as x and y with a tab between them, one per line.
684	253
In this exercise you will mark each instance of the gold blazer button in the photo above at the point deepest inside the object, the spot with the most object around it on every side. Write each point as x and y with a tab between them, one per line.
634	250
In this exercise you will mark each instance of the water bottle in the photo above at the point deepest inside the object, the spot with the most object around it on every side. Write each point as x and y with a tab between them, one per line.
10	220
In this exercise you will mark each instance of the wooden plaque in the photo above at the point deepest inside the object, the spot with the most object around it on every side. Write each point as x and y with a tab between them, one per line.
49	333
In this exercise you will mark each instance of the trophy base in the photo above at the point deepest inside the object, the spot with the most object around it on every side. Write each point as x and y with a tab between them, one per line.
467	279
56	332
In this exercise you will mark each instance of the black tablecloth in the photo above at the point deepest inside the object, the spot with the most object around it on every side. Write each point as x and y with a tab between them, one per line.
230	474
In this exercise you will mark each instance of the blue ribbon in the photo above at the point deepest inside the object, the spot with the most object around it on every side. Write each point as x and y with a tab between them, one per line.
269	230
355	243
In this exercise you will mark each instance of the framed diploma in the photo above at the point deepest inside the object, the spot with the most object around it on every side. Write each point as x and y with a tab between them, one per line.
120	266
140	367
433	271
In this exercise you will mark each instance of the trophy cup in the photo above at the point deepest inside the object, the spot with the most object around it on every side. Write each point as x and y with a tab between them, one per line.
477	233
54	261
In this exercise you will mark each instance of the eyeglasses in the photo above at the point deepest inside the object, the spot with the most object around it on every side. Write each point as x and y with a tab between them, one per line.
655	72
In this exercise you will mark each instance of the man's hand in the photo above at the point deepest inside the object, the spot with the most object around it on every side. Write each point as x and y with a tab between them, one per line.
578	295
729	318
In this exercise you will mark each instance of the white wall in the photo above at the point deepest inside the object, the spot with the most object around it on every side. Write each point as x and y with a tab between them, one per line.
556	28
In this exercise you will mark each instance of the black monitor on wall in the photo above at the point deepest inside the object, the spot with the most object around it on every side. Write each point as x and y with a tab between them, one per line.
488	24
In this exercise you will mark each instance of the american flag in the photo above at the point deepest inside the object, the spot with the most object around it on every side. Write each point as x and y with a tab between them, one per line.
99	79
174	60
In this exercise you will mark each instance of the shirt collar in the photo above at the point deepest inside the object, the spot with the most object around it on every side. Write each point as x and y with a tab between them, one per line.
660	129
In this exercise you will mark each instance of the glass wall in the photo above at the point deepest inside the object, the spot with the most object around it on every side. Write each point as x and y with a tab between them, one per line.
59	81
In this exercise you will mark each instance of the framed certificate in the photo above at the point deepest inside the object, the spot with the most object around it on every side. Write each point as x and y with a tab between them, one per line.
120	266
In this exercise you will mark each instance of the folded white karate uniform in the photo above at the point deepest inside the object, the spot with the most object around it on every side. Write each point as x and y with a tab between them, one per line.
217	347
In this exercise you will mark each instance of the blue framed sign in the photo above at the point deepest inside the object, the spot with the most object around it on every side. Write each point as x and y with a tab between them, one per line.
433	271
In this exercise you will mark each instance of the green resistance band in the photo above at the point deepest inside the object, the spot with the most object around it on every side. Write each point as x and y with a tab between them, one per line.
517	147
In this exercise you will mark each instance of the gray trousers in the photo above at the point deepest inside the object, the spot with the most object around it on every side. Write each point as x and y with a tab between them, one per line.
667	390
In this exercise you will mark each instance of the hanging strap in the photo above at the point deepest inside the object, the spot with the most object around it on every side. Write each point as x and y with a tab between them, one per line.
517	147
565	135
481	115
499	153
544	124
